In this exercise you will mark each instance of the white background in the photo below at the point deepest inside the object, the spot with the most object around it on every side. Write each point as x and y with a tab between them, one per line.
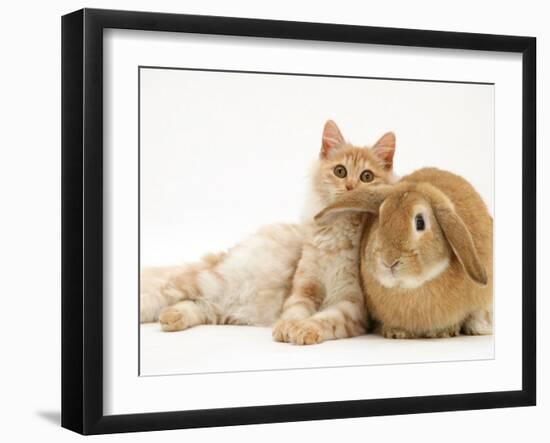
30	178
225	153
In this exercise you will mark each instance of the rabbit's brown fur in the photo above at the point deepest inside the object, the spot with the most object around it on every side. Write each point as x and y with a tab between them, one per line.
435	283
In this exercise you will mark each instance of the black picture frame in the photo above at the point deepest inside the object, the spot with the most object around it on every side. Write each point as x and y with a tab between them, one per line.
82	220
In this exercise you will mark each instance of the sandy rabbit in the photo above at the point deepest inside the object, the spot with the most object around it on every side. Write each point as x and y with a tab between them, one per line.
426	255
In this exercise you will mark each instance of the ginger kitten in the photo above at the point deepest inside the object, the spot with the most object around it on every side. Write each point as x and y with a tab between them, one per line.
327	302
307	271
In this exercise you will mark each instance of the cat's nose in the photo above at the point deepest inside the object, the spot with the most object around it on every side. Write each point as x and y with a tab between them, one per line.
350	186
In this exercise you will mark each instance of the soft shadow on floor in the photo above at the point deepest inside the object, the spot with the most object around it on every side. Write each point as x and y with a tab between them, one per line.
54	417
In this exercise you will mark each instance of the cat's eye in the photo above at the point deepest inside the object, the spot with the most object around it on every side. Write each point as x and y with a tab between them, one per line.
420	223
367	176
340	171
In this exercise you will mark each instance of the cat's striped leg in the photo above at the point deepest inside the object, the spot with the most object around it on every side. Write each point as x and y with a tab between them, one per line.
343	319
164	287
186	314
192	291
301	304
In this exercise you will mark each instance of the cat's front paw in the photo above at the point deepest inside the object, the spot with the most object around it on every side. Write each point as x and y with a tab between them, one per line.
281	329
305	332
173	319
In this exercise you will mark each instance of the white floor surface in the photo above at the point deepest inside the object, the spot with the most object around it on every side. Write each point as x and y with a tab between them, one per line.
209	348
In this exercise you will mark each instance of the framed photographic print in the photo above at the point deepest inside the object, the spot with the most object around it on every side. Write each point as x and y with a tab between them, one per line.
269	221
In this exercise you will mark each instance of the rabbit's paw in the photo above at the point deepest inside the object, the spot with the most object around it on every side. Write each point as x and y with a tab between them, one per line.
399	333
478	323
451	331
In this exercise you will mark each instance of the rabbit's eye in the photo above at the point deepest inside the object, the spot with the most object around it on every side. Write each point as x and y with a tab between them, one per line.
420	223
340	171
367	176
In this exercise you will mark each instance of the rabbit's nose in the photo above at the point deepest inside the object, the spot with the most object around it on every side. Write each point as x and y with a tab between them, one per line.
392	264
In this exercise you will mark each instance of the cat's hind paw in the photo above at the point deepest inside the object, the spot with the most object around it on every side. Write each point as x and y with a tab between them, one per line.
173	319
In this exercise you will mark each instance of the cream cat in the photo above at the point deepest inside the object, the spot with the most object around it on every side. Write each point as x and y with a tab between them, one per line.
308	273
327	302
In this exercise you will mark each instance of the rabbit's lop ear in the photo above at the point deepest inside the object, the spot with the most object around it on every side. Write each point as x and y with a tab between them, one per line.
461	241
359	200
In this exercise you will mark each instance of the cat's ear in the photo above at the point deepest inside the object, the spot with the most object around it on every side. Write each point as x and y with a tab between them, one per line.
332	139
384	149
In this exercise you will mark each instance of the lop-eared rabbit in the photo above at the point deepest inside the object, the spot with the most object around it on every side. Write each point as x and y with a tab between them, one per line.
426	255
